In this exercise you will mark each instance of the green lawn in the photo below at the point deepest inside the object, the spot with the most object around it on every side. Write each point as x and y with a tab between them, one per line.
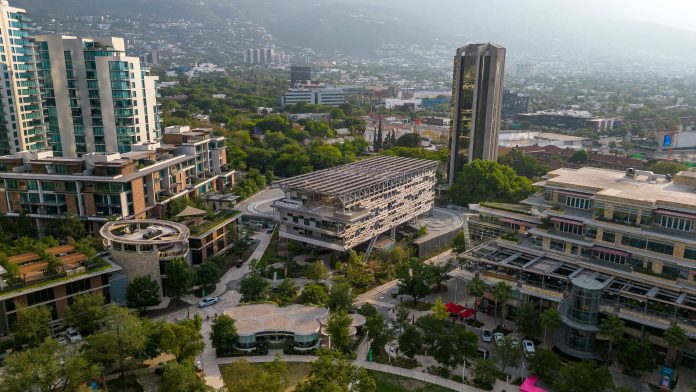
296	372
392	383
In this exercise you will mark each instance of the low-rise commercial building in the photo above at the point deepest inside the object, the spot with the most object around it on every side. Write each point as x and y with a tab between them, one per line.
627	238
571	119
54	283
145	246
344	206
297	326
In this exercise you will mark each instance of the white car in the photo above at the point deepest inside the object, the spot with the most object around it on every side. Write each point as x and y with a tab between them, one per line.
498	337
486	335
73	335
207	301
528	347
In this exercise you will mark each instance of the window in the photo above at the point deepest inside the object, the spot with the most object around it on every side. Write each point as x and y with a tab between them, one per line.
626	215
78	286
558	245
660	247
591	232
569	228
40	296
690	254
608	236
674	223
548	194
578	202
599	209
633	242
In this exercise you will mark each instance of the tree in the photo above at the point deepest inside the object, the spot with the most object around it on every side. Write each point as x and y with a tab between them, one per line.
439	310
46	369
316	271
413	278
254	288
667	167
357	272
181	378
401	320
409	140
546	365
490	181
523	165
325	156
119	342
67	226
528	319
375	326
675	336
33	325
502	292
411	341
338	328
585	376
208	275
333	372
579	156
505	354
613	328
87	312
179	278
340	297
485	373
477	289
636	355
439	273
183	339
223	334
142	292
550	320
287	291
459	242
314	294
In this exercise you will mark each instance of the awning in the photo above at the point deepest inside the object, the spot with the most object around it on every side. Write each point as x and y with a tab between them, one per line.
568	221
686	215
610	251
518	222
571	193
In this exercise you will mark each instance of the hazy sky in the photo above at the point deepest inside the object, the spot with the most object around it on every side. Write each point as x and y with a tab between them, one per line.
676	13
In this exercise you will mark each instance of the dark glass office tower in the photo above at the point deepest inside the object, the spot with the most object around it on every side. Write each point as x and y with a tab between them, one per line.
477	93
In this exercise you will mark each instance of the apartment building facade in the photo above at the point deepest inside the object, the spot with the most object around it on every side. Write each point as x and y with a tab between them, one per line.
22	124
342	207
623	241
96	98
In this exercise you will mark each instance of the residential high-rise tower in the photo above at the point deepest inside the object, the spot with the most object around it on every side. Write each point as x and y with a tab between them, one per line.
21	119
96	98
477	93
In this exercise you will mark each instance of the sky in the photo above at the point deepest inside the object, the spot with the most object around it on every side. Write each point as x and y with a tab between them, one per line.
673	13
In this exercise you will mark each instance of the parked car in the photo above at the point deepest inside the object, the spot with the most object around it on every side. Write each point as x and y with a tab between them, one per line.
486	335
514	342
528	347
207	301
61	339
498	336
73	335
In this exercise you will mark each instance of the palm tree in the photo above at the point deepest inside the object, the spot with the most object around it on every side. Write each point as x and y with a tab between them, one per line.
613	328
502	292
550	320
675	337
477	289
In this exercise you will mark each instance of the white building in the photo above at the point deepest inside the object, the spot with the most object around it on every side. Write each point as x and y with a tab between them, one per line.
97	98
541	139
321	96
21	119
